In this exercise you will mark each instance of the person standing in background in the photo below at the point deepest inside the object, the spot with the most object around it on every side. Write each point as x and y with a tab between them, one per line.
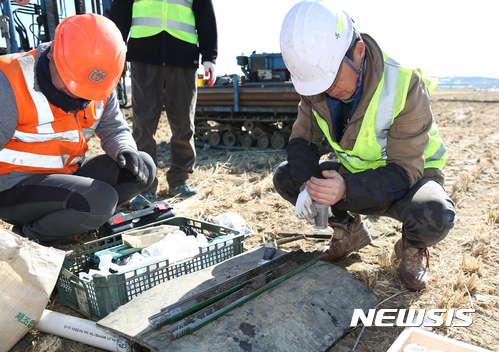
165	40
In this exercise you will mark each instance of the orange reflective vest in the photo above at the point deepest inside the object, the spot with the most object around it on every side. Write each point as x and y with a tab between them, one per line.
46	139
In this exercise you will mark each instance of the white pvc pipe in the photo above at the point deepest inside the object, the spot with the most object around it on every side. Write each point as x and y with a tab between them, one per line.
81	330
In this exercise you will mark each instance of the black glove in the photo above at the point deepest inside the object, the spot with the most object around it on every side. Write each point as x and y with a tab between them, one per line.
133	162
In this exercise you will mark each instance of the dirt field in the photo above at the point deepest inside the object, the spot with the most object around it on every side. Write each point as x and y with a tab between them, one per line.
464	267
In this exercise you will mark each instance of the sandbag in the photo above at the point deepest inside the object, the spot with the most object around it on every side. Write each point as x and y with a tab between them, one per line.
28	274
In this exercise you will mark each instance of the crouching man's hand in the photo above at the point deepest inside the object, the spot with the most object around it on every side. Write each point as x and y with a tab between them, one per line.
132	161
328	191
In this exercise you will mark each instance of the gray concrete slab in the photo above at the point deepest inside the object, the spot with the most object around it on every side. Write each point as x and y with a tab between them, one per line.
307	312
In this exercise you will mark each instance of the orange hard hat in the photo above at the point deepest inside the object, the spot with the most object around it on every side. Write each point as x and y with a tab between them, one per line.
89	53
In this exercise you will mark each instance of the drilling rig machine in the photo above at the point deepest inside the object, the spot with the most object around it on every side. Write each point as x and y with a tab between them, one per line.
255	110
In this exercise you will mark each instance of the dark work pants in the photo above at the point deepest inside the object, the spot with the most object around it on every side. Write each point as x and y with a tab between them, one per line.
51	206
426	211
176	87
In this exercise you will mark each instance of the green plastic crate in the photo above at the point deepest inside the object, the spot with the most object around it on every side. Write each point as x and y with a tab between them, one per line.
99	296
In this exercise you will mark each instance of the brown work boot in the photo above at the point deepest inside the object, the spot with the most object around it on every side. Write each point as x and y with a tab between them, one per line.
412	270
346	240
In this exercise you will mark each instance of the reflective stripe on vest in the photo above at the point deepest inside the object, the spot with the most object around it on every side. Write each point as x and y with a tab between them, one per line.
43	110
23	152
435	153
388	101
150	17
99	110
34	160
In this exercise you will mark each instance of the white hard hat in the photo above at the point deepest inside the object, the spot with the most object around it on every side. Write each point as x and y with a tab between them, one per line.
314	39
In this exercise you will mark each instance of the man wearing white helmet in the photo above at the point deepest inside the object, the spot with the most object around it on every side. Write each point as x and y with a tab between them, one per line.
376	115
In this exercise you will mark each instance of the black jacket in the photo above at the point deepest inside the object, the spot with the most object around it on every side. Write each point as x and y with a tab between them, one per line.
164	49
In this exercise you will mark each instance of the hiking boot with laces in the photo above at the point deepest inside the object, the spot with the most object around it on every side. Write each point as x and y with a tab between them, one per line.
413	272
183	191
346	239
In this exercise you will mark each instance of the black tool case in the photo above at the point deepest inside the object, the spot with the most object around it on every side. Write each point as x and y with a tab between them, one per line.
152	213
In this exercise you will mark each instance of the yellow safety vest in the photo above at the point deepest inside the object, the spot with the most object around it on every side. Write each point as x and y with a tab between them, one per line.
369	151
150	17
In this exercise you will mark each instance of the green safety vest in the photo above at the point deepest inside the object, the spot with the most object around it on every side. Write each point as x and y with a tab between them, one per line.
150	17
369	151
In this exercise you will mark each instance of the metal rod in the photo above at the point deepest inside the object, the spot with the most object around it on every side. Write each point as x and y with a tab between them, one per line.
291	239
249	97
321	234
245	90
259	285
236	93
254	103
188	306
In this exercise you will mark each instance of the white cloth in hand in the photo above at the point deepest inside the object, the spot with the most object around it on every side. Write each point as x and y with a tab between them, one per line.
304	207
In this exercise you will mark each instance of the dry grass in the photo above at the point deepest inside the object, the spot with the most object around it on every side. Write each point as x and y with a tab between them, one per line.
49	344
463	267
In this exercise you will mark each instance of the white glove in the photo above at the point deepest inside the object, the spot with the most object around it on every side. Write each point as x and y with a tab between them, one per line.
209	71
304	207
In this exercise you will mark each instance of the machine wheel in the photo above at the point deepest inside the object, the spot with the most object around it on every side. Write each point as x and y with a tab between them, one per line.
214	138
257	132
248	125
264	140
230	138
247	140
279	140
203	131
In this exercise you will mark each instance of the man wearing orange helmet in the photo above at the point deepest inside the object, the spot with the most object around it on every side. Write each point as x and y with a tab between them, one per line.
53	99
